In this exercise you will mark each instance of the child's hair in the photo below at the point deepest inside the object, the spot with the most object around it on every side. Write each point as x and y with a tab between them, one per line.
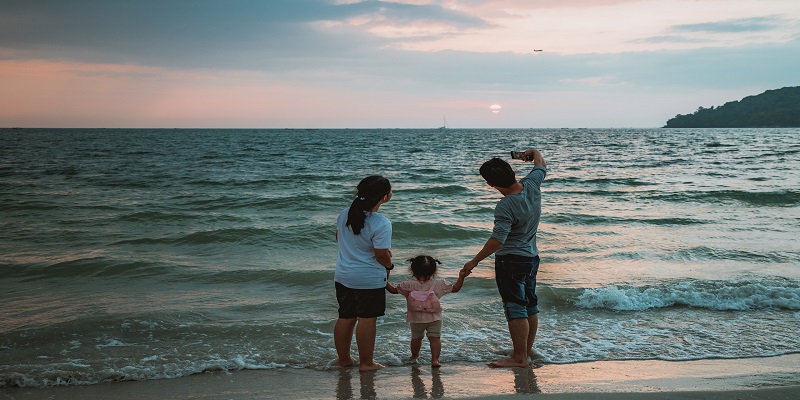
423	267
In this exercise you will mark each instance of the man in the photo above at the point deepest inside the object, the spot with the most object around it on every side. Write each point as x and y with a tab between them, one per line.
516	220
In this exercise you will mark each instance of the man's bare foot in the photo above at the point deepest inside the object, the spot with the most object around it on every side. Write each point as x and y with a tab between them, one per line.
509	363
435	363
370	367
344	363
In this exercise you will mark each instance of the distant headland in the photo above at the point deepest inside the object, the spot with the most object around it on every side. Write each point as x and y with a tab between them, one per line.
779	108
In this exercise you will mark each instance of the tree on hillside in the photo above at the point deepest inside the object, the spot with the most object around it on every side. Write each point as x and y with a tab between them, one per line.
779	108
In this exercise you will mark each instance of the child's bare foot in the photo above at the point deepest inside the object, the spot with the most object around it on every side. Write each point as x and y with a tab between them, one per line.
435	363
509	363
344	363
370	367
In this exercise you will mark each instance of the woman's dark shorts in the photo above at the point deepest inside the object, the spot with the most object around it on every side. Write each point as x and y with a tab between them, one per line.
360	303
516	281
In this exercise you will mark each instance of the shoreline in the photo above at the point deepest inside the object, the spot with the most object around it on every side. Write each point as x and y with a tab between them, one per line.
751	378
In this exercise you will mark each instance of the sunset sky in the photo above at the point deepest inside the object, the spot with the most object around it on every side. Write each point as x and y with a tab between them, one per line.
387	64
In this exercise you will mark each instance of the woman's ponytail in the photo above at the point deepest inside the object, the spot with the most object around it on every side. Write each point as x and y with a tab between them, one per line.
370	191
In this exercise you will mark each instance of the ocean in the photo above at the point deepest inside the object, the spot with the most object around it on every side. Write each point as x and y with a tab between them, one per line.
133	254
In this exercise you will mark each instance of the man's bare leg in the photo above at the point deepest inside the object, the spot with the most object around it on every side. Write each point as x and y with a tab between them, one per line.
533	326
366	331
342	338
518	328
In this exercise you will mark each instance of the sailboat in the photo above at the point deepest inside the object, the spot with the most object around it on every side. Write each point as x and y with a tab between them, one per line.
444	123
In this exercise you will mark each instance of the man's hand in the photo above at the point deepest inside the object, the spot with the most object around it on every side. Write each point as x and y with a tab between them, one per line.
535	156
469	266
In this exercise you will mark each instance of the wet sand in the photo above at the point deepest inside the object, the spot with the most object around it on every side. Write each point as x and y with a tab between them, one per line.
754	378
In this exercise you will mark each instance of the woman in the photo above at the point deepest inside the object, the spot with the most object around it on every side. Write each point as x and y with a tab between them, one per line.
364	238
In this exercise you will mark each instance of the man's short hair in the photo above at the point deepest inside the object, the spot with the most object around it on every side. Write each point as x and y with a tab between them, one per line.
498	173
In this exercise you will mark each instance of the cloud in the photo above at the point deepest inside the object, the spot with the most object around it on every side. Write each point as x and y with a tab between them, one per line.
271	61
670	39
757	24
205	33
731	32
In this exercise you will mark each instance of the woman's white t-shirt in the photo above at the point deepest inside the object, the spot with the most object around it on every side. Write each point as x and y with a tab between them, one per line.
356	266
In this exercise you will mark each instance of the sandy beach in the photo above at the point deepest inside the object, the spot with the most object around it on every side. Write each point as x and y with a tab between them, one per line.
755	378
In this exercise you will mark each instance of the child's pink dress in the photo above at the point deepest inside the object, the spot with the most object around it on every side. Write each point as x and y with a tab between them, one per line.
440	287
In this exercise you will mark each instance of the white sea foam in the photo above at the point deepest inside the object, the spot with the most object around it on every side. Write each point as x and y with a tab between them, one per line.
109	342
248	363
714	295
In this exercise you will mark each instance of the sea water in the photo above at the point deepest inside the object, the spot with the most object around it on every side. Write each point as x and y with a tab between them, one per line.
146	254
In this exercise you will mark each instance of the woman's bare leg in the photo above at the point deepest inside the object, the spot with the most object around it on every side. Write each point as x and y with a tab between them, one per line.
366	330
342	338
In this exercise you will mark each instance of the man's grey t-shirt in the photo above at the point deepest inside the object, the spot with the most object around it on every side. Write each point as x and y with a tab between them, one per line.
516	216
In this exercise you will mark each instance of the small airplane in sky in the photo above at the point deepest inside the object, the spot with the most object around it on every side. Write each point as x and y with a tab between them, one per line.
536	50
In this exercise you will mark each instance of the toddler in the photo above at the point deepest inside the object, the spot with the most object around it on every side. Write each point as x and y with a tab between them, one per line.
422	299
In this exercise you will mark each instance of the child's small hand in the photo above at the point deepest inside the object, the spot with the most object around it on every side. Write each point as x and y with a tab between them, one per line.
463	273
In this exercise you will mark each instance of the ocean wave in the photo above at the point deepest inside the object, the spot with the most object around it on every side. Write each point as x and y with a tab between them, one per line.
720	144
782	198
434	231
28	205
78	374
618	181
298	236
107	267
781	154
155	216
266	276
713	295
710	253
296	202
587	219
600	181
93	266
447	190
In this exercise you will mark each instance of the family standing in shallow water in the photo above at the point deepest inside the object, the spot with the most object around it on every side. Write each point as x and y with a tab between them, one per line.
364	263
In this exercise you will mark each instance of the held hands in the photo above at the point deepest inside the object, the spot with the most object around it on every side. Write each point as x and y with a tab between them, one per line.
468	267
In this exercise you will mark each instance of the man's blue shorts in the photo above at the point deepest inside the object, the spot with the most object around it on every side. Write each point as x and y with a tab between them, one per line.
516	280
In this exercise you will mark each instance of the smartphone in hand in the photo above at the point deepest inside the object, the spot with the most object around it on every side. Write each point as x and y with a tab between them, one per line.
520	155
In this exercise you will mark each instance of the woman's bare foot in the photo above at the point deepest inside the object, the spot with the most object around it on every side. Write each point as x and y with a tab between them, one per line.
435	363
370	367
344	363
509	363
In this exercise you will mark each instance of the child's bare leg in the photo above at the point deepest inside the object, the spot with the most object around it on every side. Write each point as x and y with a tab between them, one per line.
416	345
436	351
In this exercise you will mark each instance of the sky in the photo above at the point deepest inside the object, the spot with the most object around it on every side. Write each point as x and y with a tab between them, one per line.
387	64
